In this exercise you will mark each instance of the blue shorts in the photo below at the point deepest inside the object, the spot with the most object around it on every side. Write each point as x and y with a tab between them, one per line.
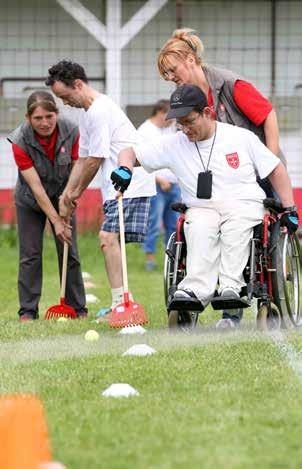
136	217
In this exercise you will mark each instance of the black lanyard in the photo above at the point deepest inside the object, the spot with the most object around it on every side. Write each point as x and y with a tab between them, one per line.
206	169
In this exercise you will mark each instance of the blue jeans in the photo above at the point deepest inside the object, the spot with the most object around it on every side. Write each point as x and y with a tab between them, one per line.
161	213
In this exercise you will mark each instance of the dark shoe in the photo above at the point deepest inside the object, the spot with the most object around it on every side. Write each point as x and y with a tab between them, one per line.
82	314
234	314
26	317
226	324
229	299
185	300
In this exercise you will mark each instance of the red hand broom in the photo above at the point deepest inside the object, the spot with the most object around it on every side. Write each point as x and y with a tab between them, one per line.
128	313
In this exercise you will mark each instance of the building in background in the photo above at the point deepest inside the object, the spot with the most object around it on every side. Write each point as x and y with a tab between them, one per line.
117	42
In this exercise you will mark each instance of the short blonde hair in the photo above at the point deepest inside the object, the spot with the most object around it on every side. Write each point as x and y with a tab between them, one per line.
182	43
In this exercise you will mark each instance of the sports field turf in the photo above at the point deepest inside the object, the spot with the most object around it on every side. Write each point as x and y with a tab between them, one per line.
207	400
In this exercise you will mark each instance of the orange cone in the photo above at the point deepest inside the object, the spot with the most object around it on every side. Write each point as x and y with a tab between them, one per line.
23	433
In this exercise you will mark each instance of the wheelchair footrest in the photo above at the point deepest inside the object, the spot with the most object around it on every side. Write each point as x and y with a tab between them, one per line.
185	304
218	302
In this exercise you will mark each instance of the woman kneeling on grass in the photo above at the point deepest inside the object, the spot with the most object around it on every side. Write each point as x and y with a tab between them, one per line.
45	148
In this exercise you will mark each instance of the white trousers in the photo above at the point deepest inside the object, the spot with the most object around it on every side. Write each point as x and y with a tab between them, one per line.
218	245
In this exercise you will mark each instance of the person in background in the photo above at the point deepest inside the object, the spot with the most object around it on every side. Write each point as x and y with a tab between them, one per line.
45	148
167	187
104	131
231	98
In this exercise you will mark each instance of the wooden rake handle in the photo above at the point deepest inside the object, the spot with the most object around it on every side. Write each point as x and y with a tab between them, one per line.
123	243
64	269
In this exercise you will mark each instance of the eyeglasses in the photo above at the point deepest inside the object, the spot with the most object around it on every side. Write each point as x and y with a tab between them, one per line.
187	126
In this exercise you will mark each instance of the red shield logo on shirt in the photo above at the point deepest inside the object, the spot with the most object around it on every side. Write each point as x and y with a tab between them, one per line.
233	160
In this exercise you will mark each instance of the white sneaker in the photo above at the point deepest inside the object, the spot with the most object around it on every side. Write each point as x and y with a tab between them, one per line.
184	294
225	324
229	293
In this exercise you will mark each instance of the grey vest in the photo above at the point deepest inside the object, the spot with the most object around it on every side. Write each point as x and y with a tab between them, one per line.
222	85
53	175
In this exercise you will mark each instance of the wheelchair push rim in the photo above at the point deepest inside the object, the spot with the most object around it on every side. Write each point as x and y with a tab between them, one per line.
291	271
286	257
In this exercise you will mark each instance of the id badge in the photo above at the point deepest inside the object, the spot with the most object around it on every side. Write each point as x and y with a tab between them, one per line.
204	185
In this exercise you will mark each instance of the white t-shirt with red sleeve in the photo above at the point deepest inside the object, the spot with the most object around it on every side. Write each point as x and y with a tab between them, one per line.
105	130
237	156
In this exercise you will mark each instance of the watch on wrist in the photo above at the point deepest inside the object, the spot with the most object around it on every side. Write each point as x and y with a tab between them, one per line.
293	208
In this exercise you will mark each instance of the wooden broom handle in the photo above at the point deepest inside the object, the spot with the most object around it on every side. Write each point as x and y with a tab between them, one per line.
123	244
64	269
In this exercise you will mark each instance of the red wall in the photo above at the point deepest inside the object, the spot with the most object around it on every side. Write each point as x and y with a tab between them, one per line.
89	211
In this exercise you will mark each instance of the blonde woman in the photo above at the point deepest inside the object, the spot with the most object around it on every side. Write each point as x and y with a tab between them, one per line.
232	100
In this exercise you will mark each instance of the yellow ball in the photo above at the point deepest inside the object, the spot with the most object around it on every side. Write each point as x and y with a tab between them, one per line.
62	319
92	336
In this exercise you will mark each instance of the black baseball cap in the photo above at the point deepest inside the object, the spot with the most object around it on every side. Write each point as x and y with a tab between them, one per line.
184	99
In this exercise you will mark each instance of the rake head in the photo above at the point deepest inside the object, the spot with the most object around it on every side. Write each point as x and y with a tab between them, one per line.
128	313
61	310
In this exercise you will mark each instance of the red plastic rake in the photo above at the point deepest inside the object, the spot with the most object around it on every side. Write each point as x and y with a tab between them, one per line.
128	313
62	310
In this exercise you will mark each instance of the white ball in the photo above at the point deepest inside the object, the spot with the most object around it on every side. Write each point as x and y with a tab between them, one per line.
62	319
92	336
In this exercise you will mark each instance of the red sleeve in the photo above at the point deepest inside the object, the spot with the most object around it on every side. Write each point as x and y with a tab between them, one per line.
75	149
23	161
251	102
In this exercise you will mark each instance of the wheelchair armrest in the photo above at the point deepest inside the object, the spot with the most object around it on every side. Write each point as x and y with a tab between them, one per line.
273	205
179	207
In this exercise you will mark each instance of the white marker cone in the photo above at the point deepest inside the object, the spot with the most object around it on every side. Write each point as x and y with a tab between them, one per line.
139	350
120	390
90	298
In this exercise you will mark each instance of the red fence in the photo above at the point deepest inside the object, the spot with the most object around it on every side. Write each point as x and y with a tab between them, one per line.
89	211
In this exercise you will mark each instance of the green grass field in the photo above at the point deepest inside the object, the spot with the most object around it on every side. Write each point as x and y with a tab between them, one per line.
207	400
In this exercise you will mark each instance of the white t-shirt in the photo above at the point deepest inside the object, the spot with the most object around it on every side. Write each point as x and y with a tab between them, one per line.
148	132
236	157
105	130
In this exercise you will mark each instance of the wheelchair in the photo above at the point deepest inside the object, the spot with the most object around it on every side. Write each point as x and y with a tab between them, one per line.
272	274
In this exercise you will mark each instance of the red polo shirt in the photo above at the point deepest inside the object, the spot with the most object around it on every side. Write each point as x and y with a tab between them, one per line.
249	100
24	161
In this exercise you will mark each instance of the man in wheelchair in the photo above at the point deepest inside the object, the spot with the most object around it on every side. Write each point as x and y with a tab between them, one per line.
216	165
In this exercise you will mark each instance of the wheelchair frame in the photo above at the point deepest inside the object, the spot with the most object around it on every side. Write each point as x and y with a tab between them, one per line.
272	273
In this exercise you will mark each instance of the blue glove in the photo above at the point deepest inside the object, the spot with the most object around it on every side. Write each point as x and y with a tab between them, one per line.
121	178
291	221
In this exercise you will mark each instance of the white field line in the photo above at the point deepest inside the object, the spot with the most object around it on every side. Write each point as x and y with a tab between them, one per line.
70	346
288	352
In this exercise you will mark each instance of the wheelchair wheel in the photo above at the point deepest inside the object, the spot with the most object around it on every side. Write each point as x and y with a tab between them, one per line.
286	259
268	319
182	320
169	266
